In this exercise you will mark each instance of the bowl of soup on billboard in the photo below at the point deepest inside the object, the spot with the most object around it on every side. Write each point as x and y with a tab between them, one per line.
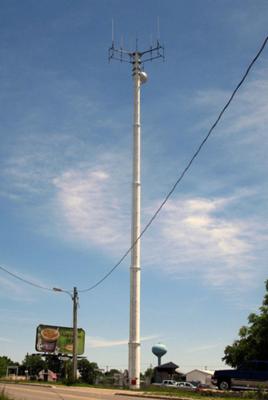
50	334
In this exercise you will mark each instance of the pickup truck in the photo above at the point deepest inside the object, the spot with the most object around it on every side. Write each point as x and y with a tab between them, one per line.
250	375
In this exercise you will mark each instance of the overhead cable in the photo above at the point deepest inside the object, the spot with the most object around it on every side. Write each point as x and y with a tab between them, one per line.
181	176
25	280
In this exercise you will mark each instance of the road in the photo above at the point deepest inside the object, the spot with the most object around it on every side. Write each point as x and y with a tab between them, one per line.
25	392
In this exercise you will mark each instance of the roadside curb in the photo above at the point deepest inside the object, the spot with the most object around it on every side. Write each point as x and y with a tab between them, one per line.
24	384
151	396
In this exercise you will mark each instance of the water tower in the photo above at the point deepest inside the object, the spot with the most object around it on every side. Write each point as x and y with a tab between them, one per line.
159	350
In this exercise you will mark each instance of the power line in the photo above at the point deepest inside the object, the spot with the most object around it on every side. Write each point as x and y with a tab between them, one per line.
167	196
183	172
25	280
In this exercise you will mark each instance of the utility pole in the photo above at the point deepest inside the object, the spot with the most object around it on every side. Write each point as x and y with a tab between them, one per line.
74	297
75	303
135	58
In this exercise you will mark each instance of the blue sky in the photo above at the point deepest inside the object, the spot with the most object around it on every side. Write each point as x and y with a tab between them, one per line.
65	171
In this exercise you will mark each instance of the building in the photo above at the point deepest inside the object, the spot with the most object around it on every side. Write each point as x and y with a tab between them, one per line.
166	371
47	375
199	375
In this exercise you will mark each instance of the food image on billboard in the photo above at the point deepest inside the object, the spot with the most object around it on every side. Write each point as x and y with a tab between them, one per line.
58	339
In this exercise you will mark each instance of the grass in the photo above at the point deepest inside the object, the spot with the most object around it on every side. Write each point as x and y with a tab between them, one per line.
259	394
3	396
198	395
179	393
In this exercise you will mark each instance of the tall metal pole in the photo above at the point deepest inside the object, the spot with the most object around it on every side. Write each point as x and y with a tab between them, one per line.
75	302
134	327
139	77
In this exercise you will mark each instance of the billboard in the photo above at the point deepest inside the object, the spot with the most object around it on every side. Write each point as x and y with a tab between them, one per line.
58	339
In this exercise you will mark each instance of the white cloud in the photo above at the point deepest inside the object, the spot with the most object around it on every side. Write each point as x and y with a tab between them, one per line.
194	237
89	201
247	116
17	290
94	205
97	342
11	286
203	348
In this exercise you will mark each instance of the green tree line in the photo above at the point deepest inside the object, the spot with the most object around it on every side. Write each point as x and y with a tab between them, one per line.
253	338
34	363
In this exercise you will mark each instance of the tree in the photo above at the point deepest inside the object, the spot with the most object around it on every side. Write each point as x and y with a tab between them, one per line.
149	372
253	342
4	363
34	364
54	364
111	372
149	375
88	370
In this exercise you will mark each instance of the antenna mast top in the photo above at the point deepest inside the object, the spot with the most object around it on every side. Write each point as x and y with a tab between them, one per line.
124	55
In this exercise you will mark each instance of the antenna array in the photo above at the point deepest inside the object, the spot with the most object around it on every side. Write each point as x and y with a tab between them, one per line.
123	55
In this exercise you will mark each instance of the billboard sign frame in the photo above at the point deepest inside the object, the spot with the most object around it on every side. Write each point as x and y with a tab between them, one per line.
58	339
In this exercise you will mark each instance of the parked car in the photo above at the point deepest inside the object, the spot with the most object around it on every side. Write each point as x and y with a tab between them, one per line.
249	375
186	386
169	383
